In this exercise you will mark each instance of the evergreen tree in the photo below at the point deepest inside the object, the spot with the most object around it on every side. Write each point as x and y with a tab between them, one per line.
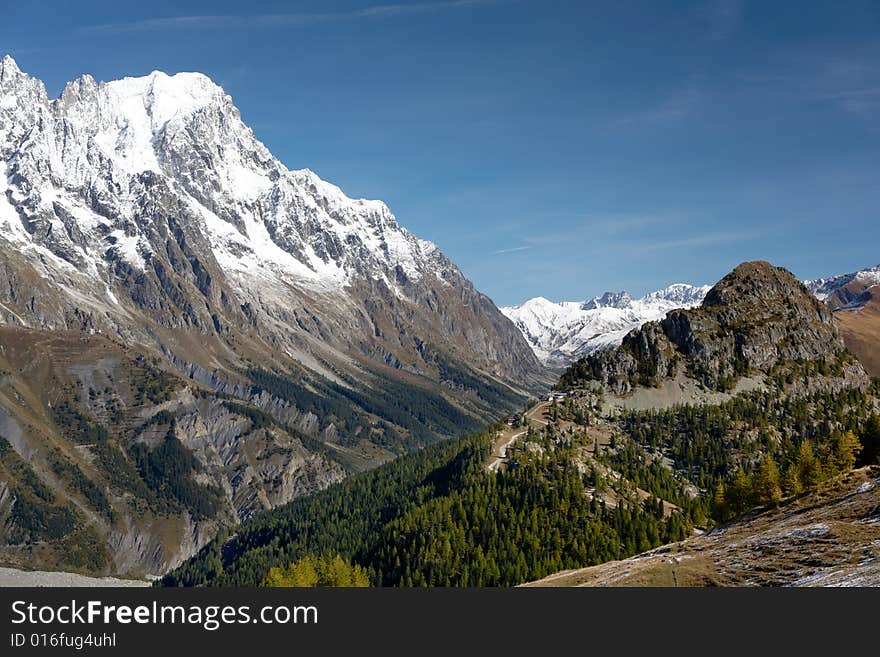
720	510
739	493
846	449
767	488
791	483
808	466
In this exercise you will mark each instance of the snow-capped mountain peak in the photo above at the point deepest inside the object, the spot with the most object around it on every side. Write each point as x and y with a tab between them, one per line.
846	291
8	66
183	133
147	200
561	332
683	293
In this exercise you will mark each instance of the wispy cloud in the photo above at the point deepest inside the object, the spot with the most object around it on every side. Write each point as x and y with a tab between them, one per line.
847	78
853	84
601	226
622	222
710	239
765	78
514	249
280	20
676	107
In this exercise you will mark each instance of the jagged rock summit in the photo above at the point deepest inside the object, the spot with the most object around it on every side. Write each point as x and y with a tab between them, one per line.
756	317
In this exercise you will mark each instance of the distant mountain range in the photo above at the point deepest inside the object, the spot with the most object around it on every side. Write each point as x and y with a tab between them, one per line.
560	333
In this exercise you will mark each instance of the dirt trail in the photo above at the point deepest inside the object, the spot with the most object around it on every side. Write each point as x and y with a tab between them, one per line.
508	437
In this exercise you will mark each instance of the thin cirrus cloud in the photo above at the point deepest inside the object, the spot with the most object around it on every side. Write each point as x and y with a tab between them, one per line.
269	21
846	77
711	239
676	107
592	227
514	249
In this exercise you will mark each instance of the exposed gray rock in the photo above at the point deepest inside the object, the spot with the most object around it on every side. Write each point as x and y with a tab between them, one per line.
756	317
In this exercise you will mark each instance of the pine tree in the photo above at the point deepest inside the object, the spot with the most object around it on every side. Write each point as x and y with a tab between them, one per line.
846	450
767	486
809	468
791	482
739	493
720	509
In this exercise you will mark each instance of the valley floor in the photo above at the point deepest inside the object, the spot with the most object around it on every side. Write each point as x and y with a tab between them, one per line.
39	578
827	538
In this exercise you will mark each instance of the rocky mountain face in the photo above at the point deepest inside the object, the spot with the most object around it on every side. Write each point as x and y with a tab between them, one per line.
757	317
860	328
146	204
110	463
562	332
305	334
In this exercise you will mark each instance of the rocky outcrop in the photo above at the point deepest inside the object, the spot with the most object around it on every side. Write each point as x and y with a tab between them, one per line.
756	317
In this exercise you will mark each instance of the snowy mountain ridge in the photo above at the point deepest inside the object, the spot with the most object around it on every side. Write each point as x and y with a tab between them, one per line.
564	331
845	291
119	136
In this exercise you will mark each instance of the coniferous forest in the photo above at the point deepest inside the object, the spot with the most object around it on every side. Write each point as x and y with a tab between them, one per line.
438	518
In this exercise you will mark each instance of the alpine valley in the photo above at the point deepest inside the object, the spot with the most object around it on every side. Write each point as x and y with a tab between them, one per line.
219	371
740	435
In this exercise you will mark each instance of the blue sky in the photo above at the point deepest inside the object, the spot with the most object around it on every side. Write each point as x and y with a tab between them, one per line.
550	148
